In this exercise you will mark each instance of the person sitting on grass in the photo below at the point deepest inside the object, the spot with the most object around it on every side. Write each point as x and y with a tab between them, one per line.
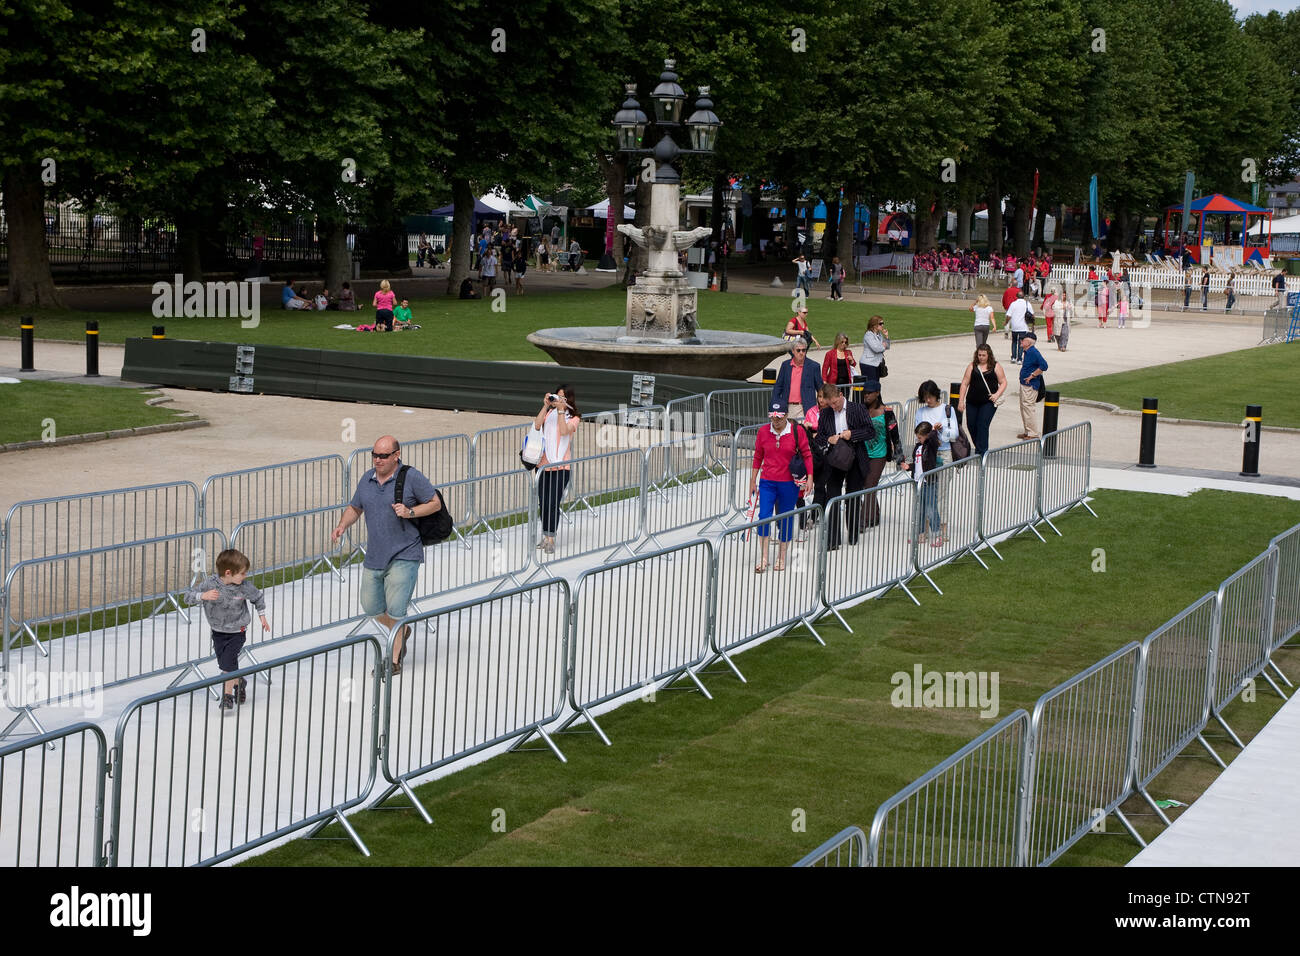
292	300
467	290
322	300
402	315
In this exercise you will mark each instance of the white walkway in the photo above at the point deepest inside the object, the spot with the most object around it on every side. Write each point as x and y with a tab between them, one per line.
1250	815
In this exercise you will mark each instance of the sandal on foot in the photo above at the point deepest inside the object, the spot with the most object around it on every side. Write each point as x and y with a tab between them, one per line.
760	568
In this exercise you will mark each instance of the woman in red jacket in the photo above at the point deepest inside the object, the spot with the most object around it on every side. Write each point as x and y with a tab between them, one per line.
838	365
775	448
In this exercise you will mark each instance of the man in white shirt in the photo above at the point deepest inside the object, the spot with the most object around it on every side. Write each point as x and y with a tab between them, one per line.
1018	312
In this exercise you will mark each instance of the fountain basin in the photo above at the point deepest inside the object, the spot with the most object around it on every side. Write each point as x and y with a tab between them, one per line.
710	354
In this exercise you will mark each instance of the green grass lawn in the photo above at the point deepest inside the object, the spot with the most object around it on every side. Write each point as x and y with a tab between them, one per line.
75	410
723	782
472	330
1216	388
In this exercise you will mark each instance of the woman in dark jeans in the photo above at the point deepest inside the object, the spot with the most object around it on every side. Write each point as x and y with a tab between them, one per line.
884	447
981	387
558	420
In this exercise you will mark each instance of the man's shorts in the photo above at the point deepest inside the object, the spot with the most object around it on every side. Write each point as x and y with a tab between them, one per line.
227	645
389	591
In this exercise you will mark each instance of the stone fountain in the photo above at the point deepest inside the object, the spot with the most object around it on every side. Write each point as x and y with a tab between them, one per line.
660	332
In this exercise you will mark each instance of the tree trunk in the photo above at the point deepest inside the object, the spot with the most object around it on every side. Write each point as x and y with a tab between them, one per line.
462	218
873	224
189	245
848	213
1020	223
30	281
965	207
792	247
831	234
338	260
755	217
995	217
1040	224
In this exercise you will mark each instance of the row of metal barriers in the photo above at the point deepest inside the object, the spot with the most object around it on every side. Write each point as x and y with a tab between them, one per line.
42	527
105	616
1027	789
497	669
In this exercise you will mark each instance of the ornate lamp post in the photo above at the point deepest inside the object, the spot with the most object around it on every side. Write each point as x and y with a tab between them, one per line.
661	305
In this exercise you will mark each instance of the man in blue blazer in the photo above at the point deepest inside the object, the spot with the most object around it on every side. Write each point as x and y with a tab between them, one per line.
797	382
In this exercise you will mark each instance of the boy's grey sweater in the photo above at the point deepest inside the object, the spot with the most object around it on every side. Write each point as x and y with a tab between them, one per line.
229	612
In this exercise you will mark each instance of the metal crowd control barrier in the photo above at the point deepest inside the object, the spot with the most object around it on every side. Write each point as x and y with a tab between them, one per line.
43	527
84	621
1286	593
476	675
52	799
195	785
618	429
748	605
613	653
955	488
846	848
1009	490
1065	470
494	450
603	494
1174	694
906	421
686	416
442	459
732	408
963	812
491	541
234	497
688	484
1242	641
309	581
883	559
742	463
1080	756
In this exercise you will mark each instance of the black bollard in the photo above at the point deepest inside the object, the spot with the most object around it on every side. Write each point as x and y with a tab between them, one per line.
1051	414
1147	453
769	376
954	396
159	332
1250	450
92	350
28	327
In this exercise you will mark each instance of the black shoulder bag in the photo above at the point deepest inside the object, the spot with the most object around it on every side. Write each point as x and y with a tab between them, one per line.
433	528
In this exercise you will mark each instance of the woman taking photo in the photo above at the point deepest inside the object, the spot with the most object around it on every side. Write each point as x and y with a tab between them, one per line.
984	322
558	420
874	346
982	387
838	365
775	448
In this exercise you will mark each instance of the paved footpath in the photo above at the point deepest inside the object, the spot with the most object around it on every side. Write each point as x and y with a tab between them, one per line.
248	431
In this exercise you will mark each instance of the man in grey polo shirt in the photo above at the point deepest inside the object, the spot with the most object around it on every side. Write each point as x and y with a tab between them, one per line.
393	548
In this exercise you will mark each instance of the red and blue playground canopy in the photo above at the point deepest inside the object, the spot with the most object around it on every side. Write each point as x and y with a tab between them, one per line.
1221	205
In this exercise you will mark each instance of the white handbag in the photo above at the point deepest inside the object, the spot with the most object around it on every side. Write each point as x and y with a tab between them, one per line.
534	446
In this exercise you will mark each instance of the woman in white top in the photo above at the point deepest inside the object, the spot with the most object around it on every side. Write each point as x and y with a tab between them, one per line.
874	345
558	420
984	321
931	408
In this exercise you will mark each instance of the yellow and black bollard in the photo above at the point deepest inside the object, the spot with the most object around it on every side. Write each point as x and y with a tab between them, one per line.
1250	436
92	350
1051	414
769	376
1147	452
159	332
28	326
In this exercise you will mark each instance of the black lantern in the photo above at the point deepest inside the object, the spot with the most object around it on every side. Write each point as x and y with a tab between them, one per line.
668	96
703	124
630	121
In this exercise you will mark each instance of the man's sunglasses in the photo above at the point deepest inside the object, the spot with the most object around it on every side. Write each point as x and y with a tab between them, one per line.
382	456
